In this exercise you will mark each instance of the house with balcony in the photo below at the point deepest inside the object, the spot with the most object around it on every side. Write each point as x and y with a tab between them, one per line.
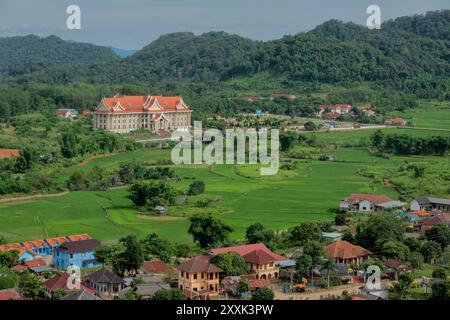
199	279
342	251
76	253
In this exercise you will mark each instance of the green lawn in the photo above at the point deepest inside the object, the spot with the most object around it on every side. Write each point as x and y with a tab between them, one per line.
429	116
279	201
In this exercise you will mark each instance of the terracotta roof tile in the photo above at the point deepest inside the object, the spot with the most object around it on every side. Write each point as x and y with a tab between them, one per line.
245	249
198	264
9	153
342	249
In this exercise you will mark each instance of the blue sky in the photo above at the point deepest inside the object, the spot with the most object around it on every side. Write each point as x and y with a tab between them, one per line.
131	24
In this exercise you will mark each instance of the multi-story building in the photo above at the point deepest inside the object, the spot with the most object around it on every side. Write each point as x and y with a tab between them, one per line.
123	114
199	279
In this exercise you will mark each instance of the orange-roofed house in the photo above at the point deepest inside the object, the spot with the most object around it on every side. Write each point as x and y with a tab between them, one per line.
9	153
38	247
344	252
123	114
67	113
199	279
261	261
24	254
9	294
79	237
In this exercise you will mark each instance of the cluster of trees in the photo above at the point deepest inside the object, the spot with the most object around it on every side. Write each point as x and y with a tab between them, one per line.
150	194
135	170
403	144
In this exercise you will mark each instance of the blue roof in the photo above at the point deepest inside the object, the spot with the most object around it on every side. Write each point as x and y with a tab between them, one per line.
286	263
331	234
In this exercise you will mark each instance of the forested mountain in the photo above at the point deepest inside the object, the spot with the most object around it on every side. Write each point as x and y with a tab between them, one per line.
410	55
434	24
27	53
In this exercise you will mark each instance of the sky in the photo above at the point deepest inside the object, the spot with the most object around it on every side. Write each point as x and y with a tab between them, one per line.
132	24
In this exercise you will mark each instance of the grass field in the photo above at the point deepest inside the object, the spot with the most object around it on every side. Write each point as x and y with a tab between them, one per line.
279	202
429	116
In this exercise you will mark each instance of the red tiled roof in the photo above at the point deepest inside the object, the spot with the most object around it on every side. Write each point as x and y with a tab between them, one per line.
34	243
259	257
436	219
258	283
342	249
198	264
143	103
373	198
30	264
62	112
60	282
9	295
245	249
78	237
156	266
54	241
397	265
9	153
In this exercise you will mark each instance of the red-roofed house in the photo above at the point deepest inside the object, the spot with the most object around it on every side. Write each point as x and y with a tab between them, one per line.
61	281
30	264
345	252
67	113
157	267
78	237
122	114
364	202
9	153
9	294
261	260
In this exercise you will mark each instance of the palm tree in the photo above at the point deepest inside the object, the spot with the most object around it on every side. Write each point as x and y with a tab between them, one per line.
329	266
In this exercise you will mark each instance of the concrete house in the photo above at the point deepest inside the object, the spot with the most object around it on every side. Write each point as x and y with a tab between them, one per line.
429	203
199	279
78	253
363	202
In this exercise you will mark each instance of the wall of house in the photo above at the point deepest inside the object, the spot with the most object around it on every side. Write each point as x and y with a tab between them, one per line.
198	281
365	206
63	260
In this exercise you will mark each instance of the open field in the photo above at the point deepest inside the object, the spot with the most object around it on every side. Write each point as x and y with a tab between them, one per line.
429	116
279	202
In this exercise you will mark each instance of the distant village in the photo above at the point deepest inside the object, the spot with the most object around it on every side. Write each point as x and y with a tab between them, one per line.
198	278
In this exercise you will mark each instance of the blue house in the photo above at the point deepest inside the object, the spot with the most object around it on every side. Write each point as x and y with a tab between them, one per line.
38	247
77	253
25	255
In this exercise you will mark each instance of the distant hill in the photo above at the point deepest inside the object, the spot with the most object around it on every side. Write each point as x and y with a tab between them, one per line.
25	53
122	52
408	54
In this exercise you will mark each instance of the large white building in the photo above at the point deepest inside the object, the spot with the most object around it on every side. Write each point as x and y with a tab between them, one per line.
123	114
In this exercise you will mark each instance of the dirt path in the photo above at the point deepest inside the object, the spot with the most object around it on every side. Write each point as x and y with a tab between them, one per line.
318	293
36	196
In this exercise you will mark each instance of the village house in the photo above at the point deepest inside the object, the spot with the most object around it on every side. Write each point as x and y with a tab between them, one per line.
81	295
344	252
61	281
261	261
76	253
199	279
394	268
369	112
363	202
24	254
9	153
429	203
231	283
105	283
396	122
69	114
333	111
123	114
428	223
9	294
